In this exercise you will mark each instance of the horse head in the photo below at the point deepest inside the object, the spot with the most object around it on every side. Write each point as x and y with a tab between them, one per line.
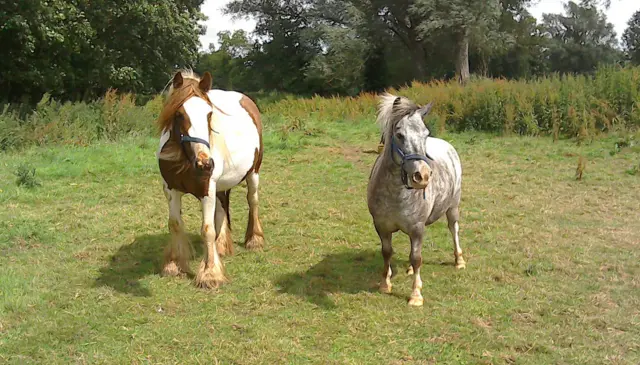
407	135
187	116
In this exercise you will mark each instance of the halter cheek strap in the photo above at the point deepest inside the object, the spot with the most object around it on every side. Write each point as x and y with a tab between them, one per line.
186	139
408	157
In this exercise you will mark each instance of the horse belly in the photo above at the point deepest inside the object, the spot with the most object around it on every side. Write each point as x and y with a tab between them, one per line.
436	214
234	175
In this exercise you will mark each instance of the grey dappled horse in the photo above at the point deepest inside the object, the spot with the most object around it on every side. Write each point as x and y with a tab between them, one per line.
414	182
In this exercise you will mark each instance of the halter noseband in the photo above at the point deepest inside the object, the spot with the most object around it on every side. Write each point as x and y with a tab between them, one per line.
405	158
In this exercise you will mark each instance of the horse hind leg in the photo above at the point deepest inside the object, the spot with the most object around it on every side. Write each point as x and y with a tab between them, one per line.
179	250
453	215
224	240
254	237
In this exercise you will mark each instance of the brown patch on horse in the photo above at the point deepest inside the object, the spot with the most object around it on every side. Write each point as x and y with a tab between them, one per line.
225	199
254	113
175	151
224	241
183	176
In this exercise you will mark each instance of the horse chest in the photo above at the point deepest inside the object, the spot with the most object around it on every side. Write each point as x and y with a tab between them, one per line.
397	208
184	178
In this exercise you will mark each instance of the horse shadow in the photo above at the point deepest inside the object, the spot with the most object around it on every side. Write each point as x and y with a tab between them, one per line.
346	272
134	261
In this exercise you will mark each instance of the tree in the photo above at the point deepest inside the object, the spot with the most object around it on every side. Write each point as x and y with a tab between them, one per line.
139	42
41	45
631	38
339	68
520	53
230	65
461	20
290	43
398	18
76	49
580	40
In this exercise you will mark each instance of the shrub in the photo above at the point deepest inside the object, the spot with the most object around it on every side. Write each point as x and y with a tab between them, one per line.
570	106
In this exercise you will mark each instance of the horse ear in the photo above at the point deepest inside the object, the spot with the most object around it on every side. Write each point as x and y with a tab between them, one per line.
425	109
205	82
177	80
397	101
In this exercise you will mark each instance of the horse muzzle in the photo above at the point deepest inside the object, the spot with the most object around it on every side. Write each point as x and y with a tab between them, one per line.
204	163
420	179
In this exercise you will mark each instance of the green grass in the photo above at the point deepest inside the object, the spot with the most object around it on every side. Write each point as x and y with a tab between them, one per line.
552	263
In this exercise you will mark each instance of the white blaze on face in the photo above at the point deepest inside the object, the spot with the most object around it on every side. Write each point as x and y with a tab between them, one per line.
198	111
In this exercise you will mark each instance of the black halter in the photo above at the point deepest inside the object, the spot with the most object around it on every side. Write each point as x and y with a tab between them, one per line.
186	139
405	157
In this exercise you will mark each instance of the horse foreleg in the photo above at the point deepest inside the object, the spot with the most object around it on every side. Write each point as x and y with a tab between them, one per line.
387	252
416	261
211	272
224	241
179	250
452	219
254	237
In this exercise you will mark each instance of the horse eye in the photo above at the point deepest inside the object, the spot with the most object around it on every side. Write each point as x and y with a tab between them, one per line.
400	136
179	116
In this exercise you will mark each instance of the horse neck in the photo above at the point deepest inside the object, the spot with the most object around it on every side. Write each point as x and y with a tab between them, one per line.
387	160
389	170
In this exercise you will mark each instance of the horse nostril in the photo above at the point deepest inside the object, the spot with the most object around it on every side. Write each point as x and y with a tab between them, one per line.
204	164
417	177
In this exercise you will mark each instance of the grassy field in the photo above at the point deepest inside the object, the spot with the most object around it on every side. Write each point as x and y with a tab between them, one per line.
553	264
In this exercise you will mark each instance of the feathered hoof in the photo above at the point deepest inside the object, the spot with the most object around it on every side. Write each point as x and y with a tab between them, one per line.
210	278
460	264
224	245
410	270
171	269
255	243
416	301
385	288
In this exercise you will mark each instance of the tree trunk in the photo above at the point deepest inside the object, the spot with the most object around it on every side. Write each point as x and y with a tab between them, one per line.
419	62
462	57
418	55
484	65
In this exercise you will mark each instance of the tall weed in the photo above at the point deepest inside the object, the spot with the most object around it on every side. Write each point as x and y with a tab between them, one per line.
569	106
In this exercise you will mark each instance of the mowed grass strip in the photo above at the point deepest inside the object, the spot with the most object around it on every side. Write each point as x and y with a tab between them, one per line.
553	272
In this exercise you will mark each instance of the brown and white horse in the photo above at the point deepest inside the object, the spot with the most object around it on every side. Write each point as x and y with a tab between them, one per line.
211	141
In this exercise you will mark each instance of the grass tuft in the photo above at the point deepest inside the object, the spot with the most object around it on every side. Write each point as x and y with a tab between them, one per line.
26	176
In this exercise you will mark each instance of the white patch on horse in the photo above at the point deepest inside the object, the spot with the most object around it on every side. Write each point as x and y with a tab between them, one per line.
197	109
240	134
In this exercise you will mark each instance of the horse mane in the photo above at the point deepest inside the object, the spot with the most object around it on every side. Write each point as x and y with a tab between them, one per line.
392	109
175	98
